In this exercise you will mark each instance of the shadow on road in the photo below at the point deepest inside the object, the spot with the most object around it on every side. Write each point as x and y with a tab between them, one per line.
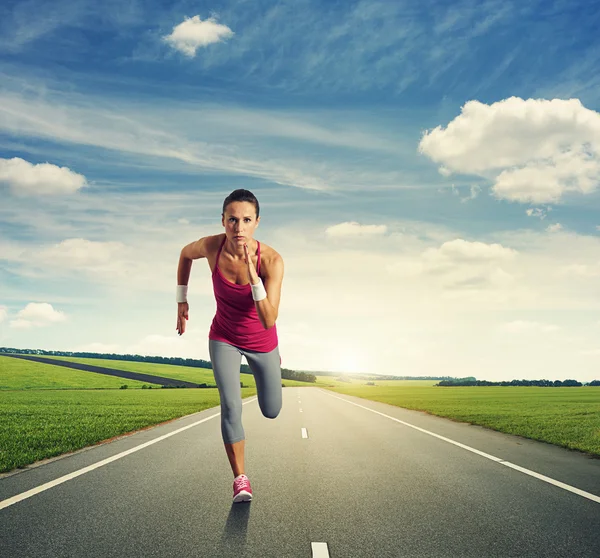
234	535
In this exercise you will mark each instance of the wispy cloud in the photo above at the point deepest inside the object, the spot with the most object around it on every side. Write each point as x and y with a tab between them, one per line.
201	137
306	45
353	229
25	22
540	212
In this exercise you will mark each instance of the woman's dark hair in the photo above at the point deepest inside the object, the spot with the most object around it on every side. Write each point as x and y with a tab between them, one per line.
242	195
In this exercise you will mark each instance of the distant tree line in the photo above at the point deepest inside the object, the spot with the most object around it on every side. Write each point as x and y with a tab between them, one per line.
539	383
384	377
299	376
178	361
199	363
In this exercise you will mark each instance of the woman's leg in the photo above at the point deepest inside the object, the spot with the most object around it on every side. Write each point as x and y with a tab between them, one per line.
266	368
226	360
235	453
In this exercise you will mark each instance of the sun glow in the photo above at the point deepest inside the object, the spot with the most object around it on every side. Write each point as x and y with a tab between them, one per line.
349	359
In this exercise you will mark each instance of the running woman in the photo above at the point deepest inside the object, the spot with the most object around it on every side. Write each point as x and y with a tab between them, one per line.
247	278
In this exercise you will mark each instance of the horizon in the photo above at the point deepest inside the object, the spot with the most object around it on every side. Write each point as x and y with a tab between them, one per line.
313	372
429	174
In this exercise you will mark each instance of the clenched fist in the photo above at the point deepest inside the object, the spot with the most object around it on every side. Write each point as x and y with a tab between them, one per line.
182	315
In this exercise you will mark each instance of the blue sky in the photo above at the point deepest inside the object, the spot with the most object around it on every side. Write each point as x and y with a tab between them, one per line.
428	170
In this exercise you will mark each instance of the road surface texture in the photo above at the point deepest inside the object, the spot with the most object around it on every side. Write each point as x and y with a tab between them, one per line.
327	470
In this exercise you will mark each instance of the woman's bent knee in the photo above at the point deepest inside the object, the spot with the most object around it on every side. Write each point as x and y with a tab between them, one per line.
271	413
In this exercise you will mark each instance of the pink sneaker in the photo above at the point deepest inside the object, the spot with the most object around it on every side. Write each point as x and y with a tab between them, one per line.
241	489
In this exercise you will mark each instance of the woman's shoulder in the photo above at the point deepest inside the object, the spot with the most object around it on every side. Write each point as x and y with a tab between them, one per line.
269	257
214	241
207	246
268	252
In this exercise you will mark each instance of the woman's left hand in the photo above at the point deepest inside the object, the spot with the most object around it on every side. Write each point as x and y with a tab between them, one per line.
252	273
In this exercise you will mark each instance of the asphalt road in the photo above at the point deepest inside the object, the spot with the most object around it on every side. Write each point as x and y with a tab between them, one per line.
362	483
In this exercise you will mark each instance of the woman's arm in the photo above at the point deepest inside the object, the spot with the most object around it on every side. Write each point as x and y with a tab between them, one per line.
268	308
193	251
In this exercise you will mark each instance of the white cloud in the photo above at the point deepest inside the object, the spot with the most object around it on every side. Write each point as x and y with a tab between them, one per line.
110	262
460	267
79	253
194	33
25	178
535	150
554	228
463	265
354	229
547	181
3	313
460	250
37	314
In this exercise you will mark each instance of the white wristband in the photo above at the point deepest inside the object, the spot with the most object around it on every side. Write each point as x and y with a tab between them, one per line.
181	295
258	290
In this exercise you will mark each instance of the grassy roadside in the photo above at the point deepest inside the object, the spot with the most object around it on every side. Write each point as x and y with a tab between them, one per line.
8	376
567	417
48	410
40	424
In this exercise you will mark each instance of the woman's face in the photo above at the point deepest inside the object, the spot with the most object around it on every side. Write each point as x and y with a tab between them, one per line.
240	221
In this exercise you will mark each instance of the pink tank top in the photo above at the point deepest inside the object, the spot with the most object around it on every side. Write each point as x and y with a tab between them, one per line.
236	320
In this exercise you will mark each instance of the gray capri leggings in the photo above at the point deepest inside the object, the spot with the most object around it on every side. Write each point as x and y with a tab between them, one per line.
266	367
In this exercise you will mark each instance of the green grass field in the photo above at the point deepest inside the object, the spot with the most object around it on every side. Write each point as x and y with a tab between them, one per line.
567	417
186	373
48	410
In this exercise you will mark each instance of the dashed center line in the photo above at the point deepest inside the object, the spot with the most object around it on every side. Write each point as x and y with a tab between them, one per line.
304	433
319	550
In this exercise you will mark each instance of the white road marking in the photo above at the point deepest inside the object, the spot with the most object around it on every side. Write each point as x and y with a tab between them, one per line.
549	480
304	433
562	485
300	410
319	550
65	478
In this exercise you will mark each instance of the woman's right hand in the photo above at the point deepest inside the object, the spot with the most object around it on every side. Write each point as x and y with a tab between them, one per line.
182	316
